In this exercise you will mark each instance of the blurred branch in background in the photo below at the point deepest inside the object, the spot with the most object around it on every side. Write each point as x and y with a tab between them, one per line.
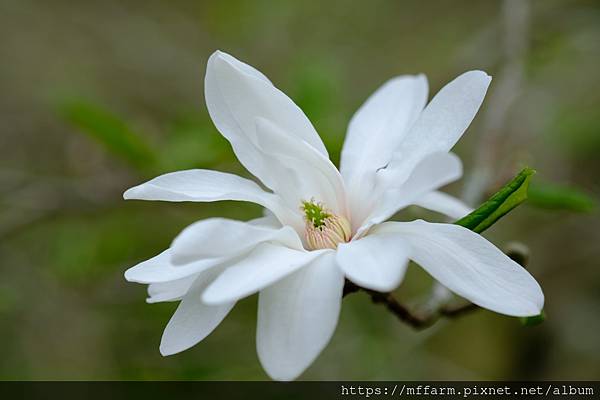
506	89
490	161
32	198
494	161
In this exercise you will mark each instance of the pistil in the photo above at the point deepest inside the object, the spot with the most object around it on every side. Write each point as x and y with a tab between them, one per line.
324	229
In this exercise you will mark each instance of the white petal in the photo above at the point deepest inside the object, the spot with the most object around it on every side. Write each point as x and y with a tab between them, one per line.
219	238
432	172
470	266
198	185
443	121
381	123
302	172
377	261
266	264
159	269
243	67
193	320
297	317
236	94
443	203
268	220
206	186
170	291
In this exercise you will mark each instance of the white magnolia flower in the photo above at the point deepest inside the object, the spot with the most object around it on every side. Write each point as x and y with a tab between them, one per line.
324	225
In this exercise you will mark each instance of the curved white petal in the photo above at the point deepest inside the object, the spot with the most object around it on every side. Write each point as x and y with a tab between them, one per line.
268	220
297	317
381	123
219	238
377	261
194	259
193	320
302	172
236	94
159	269
375	132
198	185
170	291
266	264
432	172
443	121
470	266
205	186
243	67
444	204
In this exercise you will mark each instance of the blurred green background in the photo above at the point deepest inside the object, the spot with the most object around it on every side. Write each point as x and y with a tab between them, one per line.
98	96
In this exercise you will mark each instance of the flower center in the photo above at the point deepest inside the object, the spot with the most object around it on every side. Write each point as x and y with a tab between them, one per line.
324	229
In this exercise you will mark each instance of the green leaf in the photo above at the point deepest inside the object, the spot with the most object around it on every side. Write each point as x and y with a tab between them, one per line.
557	197
575	131
192	142
511	195
507	198
111	131
533	321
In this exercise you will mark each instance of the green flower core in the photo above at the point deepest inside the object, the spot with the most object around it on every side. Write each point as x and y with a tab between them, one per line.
315	213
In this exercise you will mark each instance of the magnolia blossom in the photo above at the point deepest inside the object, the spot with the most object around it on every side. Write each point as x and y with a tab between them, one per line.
323	225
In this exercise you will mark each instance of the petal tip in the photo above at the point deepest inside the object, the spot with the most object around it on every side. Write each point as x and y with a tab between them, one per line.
215	60
540	302
221	57
421	77
130	276
132	193
476	75
127	275
532	311
165	351
483	75
127	194
278	373
282	377
168	345
217	54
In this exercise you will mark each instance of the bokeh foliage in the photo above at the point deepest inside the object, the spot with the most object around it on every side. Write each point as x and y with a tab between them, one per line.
98	96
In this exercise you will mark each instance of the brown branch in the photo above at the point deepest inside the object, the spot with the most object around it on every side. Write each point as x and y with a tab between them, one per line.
403	313
458	310
406	315
516	251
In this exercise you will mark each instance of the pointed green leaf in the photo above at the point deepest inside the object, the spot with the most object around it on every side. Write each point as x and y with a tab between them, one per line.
507	198
557	197
511	195
112	132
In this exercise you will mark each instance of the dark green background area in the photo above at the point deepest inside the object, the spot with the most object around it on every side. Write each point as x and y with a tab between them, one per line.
98	96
